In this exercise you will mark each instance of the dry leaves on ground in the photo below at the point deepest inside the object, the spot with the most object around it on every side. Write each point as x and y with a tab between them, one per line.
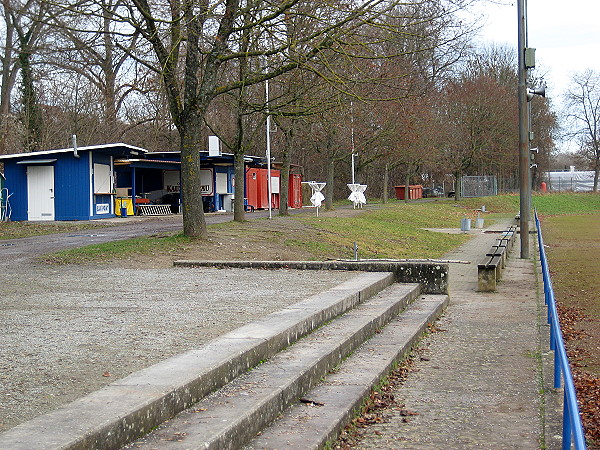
586	384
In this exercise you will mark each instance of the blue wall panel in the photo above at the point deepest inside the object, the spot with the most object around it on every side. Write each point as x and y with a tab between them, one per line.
71	182
16	182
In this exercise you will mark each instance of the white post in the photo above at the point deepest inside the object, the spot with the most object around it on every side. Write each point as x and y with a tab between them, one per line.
269	188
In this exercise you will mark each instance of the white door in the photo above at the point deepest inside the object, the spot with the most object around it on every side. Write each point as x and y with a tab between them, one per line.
40	192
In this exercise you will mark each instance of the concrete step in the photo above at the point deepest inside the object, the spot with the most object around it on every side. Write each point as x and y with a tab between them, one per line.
233	415
336	400
128	408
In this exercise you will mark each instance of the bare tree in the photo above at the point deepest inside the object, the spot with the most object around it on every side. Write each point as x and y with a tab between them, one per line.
583	103
194	41
25	22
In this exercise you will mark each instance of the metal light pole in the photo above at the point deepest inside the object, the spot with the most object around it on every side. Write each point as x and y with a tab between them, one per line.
524	183
352	137
269	187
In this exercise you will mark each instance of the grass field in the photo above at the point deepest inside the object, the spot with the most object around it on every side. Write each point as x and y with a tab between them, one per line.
395	230
573	243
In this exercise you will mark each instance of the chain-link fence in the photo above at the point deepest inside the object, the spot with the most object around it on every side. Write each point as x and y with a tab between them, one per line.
479	186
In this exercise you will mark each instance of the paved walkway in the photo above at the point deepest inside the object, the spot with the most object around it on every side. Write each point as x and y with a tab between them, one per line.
478	380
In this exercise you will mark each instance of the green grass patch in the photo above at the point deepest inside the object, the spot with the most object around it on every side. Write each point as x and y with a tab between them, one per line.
546	204
392	232
504	203
567	203
15	230
147	245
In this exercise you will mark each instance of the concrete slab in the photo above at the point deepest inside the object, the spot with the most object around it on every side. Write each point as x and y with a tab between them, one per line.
433	276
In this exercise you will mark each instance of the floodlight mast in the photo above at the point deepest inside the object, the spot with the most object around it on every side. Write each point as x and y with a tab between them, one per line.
524	170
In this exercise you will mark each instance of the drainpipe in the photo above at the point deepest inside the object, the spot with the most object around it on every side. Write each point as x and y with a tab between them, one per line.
75	154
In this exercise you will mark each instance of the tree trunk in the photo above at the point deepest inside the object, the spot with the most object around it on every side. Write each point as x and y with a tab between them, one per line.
110	131
330	181
194	222
31	114
386	181
284	176
406	185
284	183
457	186
7	80
596	173
239	168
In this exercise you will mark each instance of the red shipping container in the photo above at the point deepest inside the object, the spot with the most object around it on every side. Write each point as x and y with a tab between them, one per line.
252	193
257	188
295	191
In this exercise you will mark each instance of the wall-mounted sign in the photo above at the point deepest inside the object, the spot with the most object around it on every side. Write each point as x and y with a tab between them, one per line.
207	182
102	208
171	181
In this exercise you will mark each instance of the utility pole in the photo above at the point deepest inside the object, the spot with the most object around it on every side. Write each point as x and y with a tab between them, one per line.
524	158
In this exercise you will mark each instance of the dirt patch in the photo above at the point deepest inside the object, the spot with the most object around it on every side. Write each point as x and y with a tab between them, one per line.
256	240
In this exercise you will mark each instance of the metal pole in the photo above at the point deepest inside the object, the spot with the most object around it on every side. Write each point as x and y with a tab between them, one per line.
524	183
269	187
352	137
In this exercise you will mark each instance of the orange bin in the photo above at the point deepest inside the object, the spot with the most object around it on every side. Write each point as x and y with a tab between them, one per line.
415	191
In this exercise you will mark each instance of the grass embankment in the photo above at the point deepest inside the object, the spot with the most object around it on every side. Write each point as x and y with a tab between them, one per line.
392	231
546	204
147	246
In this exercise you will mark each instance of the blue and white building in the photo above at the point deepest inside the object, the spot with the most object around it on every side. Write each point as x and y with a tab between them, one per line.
65	184
102	181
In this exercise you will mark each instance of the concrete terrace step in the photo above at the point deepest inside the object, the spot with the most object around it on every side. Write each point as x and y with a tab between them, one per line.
128	408
233	415
336	400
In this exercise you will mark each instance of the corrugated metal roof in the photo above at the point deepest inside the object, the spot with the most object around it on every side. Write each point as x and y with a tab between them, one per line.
131	148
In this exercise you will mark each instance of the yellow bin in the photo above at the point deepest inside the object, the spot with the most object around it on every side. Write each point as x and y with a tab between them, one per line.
124	203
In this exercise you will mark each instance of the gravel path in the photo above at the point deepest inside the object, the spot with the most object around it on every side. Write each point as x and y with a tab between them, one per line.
66	331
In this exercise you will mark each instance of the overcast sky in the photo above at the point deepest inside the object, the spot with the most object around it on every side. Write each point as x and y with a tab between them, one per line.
565	34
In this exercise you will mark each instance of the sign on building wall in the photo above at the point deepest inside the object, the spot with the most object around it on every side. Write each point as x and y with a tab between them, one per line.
206	182
171	181
102	208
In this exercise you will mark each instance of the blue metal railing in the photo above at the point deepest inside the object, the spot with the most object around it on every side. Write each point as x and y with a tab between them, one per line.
572	427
